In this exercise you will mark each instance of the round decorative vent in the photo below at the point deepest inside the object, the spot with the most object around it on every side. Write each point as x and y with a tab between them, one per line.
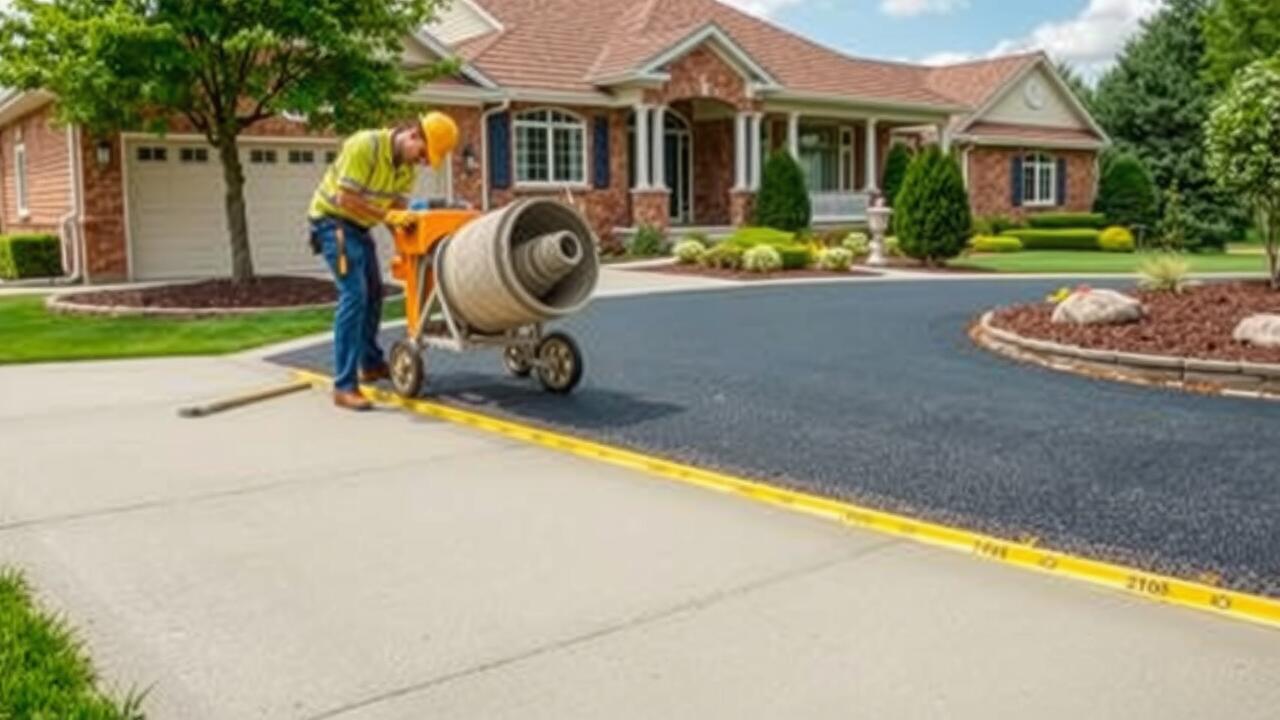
1035	94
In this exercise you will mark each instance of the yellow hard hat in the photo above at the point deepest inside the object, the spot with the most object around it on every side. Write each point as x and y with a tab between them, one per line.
441	134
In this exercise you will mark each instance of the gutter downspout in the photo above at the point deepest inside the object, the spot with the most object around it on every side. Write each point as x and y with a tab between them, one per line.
69	224
484	150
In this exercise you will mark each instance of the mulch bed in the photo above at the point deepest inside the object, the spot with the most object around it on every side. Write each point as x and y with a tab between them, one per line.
261	292
700	271
1198	323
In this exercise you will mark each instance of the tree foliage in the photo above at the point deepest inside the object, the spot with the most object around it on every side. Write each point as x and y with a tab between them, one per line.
1154	103
1243	144
1237	33
932	216
222	65
895	171
783	202
1126	192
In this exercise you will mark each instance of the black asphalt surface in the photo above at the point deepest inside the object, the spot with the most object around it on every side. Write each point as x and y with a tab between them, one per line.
873	393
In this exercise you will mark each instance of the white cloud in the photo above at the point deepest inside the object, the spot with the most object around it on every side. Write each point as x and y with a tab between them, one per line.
1089	41
911	8
763	8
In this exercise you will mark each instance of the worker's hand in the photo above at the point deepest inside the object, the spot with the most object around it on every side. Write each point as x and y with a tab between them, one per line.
400	218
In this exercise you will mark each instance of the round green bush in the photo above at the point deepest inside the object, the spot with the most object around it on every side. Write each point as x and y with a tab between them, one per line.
857	243
837	259
932	217
762	259
724	256
783	202
689	251
649	241
1116	239
1126	192
996	244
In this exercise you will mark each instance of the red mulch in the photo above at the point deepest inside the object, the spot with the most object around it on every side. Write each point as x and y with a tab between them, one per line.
742	275
1198	323
261	292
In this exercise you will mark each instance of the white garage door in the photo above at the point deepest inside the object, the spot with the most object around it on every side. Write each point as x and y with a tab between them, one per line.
178	224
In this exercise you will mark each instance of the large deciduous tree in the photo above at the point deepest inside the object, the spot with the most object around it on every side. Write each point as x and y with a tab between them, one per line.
1237	33
1154	103
223	65
1243	141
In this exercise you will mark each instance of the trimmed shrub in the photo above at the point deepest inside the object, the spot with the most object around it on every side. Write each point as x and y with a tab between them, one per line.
1066	220
1116	239
30	256
749	237
794	257
895	172
1033	239
858	244
892	247
689	251
836	259
1171	232
699	237
723	257
762	259
933	216
1164	273
995	244
649	241
1126	192
783	202
831	238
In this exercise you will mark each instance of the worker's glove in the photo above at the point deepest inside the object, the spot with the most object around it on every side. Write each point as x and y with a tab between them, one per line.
400	218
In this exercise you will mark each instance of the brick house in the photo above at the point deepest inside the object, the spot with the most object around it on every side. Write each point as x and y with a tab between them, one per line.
656	112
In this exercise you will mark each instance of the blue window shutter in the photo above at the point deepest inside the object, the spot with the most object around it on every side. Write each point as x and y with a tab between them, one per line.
499	132
1015	173
600	148
1062	181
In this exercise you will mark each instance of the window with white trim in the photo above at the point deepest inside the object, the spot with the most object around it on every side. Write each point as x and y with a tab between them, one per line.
550	148
20	178
1039	179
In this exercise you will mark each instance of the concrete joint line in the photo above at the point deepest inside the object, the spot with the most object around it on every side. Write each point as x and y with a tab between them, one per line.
691	606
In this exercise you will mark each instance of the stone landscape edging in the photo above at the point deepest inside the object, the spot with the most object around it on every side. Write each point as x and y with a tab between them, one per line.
59	304
1234	378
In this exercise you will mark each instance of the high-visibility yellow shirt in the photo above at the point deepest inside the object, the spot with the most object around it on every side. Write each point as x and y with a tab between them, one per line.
365	167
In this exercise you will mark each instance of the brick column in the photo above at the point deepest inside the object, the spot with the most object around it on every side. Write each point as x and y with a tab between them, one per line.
651	207
742	205
106	253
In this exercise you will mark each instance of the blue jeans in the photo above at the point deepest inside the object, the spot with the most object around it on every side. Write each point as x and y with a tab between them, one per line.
359	314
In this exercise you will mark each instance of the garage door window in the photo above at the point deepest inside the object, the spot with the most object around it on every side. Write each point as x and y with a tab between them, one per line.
193	155
147	153
302	157
263	157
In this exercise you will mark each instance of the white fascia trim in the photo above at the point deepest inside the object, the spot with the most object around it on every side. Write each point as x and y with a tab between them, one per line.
429	42
922	111
1041	62
996	141
474	96
17	103
195	138
485	15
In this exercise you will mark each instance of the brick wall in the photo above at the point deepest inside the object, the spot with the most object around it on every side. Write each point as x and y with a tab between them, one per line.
990	187
702	74
48	173
713	168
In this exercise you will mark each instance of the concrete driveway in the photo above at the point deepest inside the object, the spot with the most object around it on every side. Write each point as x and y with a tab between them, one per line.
290	561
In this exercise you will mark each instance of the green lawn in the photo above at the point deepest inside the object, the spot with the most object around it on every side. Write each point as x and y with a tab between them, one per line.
29	333
43	671
1067	261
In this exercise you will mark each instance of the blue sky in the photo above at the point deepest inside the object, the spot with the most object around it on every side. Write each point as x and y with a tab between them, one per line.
1086	33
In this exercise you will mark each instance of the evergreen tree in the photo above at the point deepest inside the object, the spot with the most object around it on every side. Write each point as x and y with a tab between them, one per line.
1154	103
1078	86
933	216
783	202
1126	193
895	171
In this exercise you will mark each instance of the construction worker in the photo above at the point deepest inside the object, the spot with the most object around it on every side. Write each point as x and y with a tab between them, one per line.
368	185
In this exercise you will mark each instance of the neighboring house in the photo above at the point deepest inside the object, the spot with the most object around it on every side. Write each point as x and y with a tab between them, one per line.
640	112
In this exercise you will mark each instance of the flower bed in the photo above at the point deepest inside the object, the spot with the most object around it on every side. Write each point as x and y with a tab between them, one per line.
1198	323
205	298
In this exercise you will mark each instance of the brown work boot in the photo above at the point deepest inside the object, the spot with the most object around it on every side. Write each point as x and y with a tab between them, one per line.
373	376
351	401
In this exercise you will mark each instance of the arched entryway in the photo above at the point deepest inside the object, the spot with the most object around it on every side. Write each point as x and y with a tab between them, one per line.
677	161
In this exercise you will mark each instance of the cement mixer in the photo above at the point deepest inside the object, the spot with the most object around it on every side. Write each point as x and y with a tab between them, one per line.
493	281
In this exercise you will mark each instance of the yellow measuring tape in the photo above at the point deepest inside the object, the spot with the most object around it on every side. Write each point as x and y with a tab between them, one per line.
1166	589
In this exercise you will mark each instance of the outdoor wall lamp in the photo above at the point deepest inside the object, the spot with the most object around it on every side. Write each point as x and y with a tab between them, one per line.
469	159
104	153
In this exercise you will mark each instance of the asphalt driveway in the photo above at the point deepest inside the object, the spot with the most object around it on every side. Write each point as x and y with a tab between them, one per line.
873	393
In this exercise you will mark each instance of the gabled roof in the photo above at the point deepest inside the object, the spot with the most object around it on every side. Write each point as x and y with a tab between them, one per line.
571	45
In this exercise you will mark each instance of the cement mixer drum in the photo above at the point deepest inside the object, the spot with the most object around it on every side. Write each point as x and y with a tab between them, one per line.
528	263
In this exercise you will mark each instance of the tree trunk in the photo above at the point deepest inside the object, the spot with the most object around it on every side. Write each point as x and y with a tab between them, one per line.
237	220
1269	228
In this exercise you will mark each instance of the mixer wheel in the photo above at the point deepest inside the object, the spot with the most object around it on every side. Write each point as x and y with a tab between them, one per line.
559	363
407	369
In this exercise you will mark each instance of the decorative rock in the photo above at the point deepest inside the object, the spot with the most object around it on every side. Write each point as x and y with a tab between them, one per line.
1098	307
1259	331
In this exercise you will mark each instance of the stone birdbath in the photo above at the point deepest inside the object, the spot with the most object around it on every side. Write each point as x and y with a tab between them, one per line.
878	222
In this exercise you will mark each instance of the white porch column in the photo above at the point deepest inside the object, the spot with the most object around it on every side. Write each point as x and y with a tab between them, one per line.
660	147
755	148
944	138
871	150
793	135
642	147
740	168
